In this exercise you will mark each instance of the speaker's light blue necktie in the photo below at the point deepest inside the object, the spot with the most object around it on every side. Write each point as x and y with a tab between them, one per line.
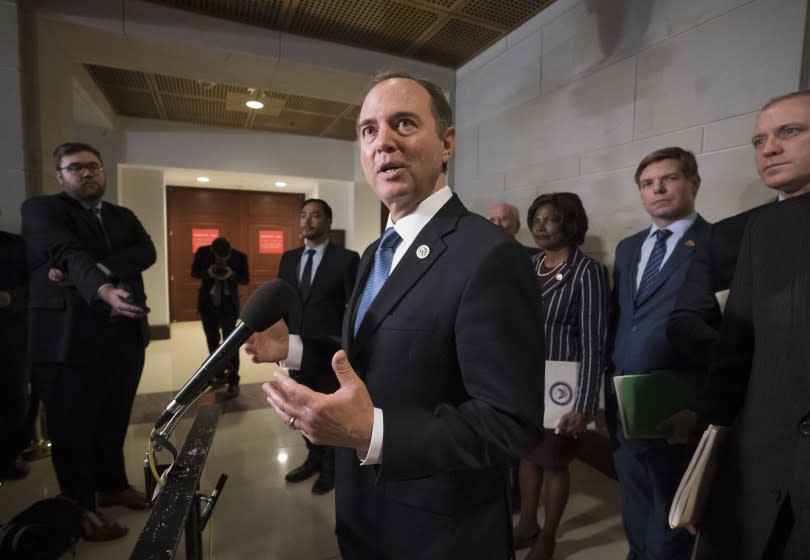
653	263
380	270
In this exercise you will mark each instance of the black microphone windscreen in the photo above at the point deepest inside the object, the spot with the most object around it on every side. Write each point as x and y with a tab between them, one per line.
266	305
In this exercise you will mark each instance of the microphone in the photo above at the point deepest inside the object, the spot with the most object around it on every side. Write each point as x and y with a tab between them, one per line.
266	306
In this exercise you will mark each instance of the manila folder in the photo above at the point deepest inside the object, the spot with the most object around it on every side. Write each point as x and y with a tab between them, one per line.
690	498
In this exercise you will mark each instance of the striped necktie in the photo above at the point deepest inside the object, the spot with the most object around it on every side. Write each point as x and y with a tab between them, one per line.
653	263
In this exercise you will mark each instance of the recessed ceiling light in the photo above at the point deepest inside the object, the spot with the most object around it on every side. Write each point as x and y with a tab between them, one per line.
253	104
203	179
280	184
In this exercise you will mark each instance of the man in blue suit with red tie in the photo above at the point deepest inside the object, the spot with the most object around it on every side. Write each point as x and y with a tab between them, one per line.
649	269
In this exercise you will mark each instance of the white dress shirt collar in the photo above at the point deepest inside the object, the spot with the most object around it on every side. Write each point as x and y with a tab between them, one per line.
678	227
408	227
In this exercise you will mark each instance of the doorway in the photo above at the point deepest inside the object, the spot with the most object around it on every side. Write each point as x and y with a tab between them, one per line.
260	224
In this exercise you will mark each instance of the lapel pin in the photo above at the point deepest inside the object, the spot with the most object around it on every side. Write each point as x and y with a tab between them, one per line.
558	277
690	243
422	251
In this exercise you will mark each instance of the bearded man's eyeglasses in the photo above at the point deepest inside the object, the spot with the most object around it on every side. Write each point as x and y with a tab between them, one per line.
77	168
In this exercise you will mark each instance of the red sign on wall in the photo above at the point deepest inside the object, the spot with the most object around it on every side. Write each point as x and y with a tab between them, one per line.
202	237
271	241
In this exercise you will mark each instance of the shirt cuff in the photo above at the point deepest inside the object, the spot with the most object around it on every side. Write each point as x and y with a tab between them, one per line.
374	453
98	292
295	353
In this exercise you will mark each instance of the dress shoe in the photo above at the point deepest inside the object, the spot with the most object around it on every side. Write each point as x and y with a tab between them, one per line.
323	484
128	497
232	391
303	472
95	527
16	470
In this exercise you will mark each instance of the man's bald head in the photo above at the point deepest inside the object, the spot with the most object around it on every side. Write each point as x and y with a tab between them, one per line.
505	216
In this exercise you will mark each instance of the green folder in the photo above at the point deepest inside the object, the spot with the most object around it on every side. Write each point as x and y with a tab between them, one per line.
647	400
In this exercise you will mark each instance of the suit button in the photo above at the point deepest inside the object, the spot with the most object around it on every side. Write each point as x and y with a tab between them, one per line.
804	429
777	495
634	328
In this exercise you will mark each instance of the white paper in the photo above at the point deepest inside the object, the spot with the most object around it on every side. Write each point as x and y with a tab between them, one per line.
722	297
561	391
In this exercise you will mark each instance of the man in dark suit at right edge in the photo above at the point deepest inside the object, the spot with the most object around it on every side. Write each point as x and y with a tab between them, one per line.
759	381
695	320
446	387
322	276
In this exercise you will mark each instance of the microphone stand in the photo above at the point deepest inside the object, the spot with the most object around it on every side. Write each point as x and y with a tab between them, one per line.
178	504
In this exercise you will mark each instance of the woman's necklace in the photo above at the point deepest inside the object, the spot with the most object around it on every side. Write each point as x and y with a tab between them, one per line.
551	271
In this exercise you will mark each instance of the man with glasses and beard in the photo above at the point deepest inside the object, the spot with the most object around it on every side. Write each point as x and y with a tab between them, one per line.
88	331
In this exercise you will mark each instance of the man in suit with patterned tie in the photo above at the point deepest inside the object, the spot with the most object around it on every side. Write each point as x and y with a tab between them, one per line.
221	269
649	269
88	330
322	275
441	371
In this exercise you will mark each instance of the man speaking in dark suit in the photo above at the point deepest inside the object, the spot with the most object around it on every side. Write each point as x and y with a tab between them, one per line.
221	269
323	276
649	269
441	371
88	330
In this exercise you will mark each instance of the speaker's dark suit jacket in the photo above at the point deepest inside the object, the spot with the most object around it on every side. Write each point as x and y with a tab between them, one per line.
760	383
649	470
66	321
320	314
203	259
695	319
451	351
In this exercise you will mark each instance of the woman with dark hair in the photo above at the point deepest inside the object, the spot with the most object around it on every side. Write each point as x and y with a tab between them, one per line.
574	293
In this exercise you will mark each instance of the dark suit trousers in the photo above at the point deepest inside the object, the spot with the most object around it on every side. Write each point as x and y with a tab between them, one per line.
649	472
323	382
218	323
87	409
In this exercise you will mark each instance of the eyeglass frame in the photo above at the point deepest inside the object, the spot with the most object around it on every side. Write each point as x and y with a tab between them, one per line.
77	167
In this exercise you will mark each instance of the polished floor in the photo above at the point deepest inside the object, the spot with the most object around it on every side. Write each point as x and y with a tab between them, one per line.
258	514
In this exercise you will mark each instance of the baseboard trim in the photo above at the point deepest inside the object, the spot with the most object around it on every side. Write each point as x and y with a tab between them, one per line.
159	332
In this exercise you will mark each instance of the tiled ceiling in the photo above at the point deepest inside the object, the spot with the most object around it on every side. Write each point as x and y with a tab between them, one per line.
154	96
444	32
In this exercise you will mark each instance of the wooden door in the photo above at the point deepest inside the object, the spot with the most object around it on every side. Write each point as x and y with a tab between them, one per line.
239	216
